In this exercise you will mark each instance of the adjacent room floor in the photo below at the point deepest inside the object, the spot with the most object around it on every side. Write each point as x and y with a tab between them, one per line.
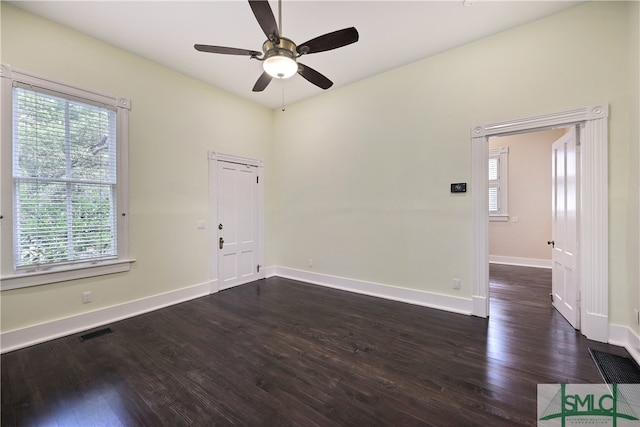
283	353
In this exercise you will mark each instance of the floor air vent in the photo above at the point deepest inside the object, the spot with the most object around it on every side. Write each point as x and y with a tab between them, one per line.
95	334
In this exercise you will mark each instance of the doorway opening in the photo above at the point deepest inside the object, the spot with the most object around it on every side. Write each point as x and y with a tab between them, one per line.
527	213
592	223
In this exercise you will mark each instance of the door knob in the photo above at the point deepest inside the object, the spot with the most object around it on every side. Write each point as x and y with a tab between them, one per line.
221	243
549	242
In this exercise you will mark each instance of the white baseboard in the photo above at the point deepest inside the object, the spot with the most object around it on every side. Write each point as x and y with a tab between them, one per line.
36	334
523	262
31	335
479	306
411	296
595	326
624	336
270	272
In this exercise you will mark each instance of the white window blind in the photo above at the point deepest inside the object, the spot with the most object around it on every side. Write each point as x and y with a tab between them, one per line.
494	184
498	182
64	174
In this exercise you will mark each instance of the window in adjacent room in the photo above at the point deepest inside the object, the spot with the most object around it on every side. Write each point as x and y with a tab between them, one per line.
498	184
69	179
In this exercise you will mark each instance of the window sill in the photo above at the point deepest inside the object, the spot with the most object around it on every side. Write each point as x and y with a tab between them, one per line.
43	277
498	218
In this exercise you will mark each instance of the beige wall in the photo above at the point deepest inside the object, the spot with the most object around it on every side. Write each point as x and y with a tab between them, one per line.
529	197
174	120
633	218
358	177
364	172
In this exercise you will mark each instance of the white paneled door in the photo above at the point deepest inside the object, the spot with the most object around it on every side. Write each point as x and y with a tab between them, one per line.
237	238
565	292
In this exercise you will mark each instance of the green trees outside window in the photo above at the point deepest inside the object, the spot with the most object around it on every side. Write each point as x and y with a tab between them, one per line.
64	172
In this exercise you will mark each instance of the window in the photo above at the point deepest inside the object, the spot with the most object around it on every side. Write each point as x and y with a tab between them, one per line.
67	167
498	184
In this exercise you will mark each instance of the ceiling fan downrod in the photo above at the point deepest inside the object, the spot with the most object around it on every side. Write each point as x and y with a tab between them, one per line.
280	16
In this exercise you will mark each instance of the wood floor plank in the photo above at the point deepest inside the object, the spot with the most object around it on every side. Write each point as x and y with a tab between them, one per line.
283	353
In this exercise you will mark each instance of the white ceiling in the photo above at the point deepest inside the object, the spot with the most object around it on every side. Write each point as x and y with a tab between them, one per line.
392	34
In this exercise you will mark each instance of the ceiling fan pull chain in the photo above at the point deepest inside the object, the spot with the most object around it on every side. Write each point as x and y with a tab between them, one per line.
282	83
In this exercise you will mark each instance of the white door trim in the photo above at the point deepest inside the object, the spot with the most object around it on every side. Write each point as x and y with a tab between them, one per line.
214	158
593	227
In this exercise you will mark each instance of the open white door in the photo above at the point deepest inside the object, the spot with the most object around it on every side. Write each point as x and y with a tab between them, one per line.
564	225
238	211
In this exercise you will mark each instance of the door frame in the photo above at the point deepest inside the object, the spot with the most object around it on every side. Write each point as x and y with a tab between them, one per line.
593	210
214	158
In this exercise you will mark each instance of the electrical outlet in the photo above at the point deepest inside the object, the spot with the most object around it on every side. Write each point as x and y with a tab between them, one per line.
310	262
636	316
86	297
456	283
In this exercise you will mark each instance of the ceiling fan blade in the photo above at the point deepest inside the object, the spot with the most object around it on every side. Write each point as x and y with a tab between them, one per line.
329	41
262	82
225	50
264	15
314	77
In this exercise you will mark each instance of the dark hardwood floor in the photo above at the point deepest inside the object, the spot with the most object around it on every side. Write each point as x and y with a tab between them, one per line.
282	353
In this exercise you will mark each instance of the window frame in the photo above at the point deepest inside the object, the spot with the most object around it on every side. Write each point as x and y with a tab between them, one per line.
12	278
502	154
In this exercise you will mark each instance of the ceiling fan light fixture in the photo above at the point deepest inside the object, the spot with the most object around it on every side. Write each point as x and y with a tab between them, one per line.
280	65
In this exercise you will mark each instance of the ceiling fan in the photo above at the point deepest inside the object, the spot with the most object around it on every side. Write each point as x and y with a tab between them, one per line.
280	54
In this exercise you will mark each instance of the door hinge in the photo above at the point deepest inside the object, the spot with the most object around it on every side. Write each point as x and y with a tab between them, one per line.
551	295
258	268
257	180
